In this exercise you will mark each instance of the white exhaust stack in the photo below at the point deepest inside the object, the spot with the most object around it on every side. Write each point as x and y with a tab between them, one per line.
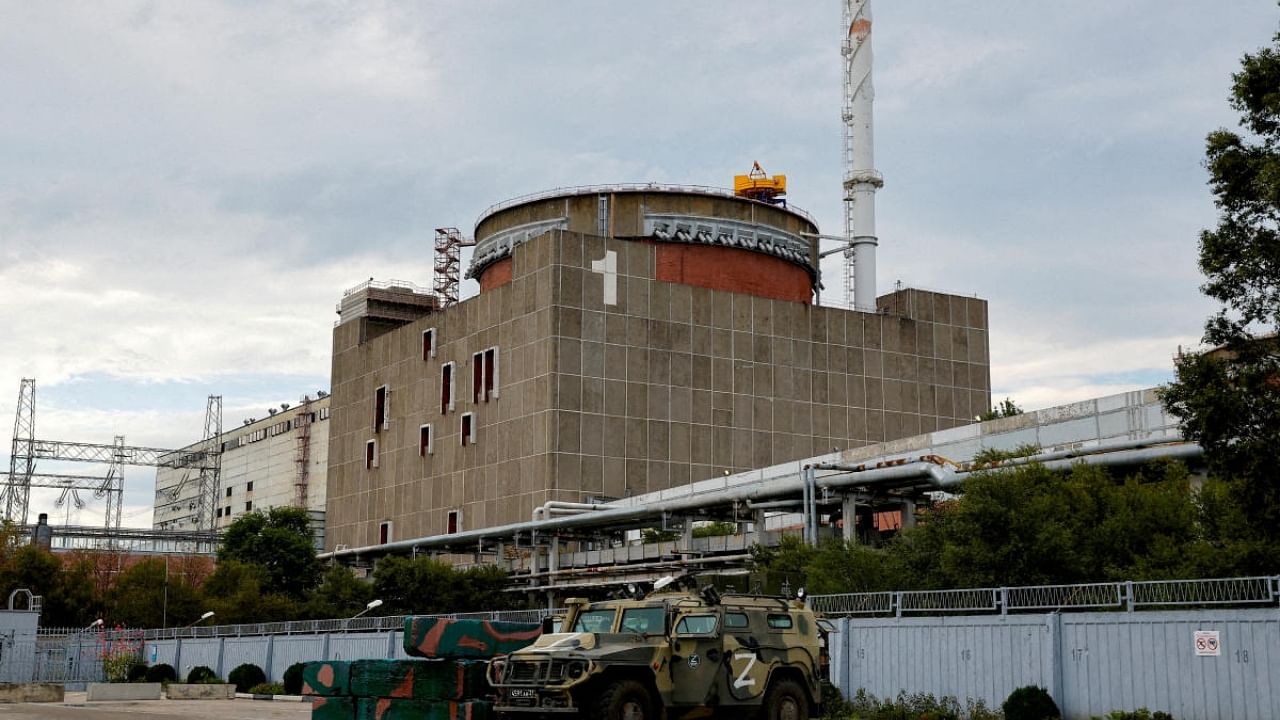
860	179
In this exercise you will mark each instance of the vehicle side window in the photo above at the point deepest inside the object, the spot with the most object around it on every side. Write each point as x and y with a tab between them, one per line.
735	621
595	621
696	625
779	622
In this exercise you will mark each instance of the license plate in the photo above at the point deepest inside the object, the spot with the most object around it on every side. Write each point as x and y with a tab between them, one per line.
522	693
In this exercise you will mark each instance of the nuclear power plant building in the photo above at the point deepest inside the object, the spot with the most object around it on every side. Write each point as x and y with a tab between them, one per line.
625	339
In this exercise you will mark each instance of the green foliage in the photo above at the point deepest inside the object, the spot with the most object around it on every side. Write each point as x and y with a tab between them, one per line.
162	673
1031	526
340	594
267	688
990	457
716	529
293	679
246	676
1030	702
65	585
202	675
1004	408
236	592
918	706
1139	714
423	586
137	672
279	542
1229	400
654	535
146	595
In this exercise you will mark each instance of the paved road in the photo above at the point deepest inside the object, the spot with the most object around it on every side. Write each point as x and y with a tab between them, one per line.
75	708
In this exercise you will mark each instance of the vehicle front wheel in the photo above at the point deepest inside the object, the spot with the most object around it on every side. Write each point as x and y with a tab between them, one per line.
786	700
625	700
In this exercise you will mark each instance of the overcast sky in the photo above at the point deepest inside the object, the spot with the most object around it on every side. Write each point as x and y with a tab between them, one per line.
186	188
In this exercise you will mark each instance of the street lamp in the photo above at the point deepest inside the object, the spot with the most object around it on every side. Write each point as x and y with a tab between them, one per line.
202	618
372	604
93	625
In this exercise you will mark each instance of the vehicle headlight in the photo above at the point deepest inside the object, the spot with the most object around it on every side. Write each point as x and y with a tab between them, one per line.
576	669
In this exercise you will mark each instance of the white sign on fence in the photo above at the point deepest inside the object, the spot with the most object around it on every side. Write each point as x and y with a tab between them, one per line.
1207	643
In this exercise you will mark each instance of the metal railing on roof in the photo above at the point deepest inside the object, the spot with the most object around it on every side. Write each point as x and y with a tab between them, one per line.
1129	595
627	187
339	625
386	285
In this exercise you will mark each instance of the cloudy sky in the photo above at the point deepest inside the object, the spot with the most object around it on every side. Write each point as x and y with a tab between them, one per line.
186	188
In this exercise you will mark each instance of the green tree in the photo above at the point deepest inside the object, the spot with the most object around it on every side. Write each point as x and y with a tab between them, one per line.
1229	400
279	542
340	594
1004	408
238	592
422	586
67	589
147	595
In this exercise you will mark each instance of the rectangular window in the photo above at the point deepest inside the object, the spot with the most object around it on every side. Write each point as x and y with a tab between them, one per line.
454	522
248	487
381	409
227	512
371	455
425	447
384	532
428	343
779	622
484	375
219	512
491	374
228	492
468	430
446	387
248	507
324	413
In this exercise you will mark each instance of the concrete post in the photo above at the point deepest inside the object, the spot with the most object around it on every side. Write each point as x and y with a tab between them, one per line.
849	511
908	513
687	533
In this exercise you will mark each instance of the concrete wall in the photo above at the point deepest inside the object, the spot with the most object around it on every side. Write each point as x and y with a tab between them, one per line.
1092	663
273	653
648	387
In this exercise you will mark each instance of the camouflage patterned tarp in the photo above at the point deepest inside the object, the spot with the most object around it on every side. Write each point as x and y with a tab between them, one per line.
333	708
328	677
388	709
443	638
418	679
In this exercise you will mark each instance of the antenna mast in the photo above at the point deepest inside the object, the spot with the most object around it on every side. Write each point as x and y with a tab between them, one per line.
861	181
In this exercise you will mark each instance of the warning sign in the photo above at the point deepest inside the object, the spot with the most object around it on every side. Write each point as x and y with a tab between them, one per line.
1207	643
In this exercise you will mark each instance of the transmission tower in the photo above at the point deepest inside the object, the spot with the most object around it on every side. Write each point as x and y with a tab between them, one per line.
861	181
22	463
210	464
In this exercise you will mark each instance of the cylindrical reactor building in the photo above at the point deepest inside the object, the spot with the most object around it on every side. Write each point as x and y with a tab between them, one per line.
703	237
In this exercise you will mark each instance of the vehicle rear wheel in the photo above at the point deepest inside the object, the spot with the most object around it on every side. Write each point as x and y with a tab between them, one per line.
625	700
786	700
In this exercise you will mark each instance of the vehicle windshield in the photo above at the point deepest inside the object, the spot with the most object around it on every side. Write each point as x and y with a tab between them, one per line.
645	621
595	621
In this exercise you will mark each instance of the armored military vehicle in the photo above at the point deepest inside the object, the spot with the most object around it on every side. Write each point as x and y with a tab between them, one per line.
669	654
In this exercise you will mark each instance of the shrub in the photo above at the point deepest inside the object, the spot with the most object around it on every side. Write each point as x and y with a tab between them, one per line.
137	672
864	706
246	676
293	679
161	673
267	689
1139	714
1030	702
202	674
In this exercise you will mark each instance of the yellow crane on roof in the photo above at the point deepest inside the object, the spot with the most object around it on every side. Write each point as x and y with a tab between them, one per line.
757	185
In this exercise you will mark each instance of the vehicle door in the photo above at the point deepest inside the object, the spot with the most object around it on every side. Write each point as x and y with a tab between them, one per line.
747	669
697	654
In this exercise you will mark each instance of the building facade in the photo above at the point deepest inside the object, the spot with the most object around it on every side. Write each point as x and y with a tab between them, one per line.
280	460
625	341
